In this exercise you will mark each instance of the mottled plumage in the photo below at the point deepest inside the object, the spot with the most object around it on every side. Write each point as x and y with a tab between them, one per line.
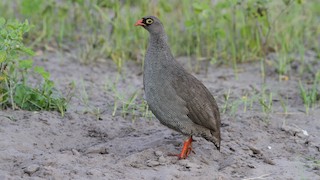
176	98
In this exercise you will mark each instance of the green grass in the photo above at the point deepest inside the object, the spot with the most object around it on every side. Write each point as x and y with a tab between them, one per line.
313	162
310	95
229	31
259	101
234	104
264	100
127	102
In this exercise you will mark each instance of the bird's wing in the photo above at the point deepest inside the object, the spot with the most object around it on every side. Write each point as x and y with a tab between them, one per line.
202	107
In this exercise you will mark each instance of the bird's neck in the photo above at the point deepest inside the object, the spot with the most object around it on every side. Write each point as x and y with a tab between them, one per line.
158	41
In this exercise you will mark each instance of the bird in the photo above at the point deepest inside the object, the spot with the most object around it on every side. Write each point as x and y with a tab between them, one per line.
177	98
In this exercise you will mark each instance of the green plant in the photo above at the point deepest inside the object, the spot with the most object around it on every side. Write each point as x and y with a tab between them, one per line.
226	103
284	105
310	96
128	102
265	100
85	100
249	102
313	162
125	102
16	69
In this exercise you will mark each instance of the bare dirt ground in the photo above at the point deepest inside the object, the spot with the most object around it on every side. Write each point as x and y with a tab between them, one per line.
255	145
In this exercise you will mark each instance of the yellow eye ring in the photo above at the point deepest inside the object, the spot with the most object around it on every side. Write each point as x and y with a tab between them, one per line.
149	21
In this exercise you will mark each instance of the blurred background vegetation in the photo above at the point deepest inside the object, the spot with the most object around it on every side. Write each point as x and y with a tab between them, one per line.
228	31
217	31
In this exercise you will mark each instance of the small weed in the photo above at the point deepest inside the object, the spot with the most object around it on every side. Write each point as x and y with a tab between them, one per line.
10	117
128	103
145	109
226	99
314	162
284	105
249	101
310	96
84	99
245	102
16	68
265	100
94	49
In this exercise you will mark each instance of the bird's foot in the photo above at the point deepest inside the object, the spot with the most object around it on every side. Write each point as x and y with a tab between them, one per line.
186	150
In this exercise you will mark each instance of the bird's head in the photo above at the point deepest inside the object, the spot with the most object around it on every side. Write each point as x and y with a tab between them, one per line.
151	24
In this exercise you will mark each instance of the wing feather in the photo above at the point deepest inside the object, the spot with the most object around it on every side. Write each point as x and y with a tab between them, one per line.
202	107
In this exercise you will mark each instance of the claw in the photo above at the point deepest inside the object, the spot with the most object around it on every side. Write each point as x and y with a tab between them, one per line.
186	150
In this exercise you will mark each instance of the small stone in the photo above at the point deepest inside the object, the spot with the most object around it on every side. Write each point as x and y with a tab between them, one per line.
32	169
152	163
135	165
48	171
268	161
290	129
75	152
97	150
158	153
305	132
254	150
162	159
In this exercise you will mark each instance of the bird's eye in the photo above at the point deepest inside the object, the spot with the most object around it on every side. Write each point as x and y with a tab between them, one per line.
149	21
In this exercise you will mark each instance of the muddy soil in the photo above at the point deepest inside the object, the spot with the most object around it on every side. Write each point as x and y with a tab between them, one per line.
90	143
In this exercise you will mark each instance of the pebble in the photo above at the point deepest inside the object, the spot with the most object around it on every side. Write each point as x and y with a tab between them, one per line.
162	159
268	161
32	169
291	130
158	153
188	164
255	150
75	152
152	163
97	150
135	165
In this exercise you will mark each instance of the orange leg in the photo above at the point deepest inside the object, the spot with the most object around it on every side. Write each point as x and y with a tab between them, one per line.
186	150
